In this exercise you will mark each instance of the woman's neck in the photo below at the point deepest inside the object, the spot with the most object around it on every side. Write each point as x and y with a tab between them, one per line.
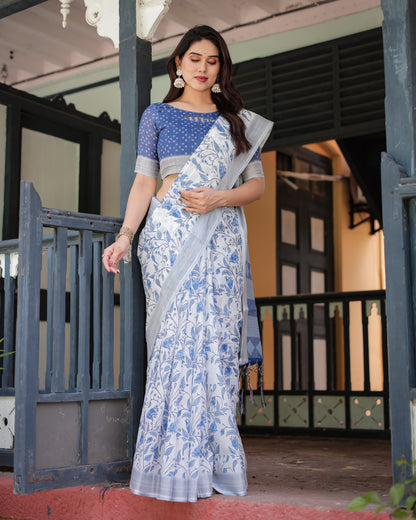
195	101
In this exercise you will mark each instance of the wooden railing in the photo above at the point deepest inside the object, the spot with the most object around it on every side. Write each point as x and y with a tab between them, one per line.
8	277
77	377
325	364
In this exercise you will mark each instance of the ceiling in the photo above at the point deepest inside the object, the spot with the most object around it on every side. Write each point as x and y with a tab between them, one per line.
34	45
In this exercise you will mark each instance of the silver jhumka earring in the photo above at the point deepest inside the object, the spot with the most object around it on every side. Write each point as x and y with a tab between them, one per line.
216	89
179	82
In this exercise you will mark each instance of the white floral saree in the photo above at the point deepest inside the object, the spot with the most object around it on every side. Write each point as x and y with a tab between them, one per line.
201	328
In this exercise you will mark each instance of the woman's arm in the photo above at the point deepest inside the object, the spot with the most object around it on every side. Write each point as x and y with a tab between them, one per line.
138	202
203	200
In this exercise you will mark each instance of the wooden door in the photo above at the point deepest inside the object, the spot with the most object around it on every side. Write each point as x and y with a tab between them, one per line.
304	261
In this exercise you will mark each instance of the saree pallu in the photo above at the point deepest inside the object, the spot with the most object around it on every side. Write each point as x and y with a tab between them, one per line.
194	270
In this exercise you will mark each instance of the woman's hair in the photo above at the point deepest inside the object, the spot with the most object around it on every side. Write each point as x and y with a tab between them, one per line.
229	102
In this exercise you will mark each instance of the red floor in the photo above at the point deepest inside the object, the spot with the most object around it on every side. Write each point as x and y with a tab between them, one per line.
82	503
290	478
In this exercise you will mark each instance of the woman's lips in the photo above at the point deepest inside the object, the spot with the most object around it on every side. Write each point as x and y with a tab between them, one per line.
202	79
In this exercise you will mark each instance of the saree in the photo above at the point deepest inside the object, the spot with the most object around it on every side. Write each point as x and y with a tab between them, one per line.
200	329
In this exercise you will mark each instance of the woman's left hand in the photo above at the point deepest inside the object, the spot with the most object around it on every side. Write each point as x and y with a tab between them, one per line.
200	200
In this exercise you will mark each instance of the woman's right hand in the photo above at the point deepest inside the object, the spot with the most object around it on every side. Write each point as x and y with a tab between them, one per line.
141	194
114	253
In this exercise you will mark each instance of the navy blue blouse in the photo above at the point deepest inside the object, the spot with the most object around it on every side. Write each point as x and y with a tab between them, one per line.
169	135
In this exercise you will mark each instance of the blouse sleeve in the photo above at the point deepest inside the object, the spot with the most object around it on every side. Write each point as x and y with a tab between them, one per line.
254	167
147	161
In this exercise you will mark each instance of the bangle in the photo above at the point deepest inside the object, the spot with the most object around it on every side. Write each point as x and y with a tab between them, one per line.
127	232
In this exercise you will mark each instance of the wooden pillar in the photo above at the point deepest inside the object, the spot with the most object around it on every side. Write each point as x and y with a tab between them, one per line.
399	222
135	62
12	173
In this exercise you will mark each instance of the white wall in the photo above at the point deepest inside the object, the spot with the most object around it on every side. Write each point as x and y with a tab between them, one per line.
98	100
110	179
52	164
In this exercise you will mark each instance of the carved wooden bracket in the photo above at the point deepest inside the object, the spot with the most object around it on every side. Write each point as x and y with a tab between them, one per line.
104	15
149	13
65	10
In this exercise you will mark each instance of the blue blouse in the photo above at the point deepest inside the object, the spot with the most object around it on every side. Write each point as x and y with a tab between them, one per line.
169	135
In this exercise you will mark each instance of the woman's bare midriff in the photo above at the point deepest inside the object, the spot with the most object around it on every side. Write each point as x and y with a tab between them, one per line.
166	184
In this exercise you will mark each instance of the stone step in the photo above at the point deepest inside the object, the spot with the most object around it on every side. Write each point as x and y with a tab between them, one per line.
118	503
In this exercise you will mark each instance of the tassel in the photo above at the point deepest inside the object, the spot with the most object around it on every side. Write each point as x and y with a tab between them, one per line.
241	404
245	373
260	383
249	370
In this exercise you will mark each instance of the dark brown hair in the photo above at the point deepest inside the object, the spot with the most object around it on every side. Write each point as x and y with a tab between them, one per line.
229	102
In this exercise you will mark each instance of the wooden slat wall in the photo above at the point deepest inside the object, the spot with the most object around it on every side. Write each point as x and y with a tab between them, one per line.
326	91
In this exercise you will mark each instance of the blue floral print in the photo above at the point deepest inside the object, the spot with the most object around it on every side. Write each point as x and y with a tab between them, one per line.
188	441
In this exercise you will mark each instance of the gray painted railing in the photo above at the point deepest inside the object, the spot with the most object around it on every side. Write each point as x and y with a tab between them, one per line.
326	368
8	275
76	398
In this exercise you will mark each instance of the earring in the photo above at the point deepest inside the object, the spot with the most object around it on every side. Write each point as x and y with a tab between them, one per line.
179	82
216	89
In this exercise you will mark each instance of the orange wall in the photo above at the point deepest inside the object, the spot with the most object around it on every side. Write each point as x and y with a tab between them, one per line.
261	229
358	263
358	256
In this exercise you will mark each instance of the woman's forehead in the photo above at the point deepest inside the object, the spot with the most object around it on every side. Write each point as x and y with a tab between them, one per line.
203	48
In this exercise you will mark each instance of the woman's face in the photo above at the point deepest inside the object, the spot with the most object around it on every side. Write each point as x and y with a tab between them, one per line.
200	65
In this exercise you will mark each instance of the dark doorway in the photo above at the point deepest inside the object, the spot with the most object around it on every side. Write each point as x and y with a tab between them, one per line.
304	224
304	260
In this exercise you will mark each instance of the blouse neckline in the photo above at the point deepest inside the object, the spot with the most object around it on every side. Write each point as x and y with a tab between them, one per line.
190	111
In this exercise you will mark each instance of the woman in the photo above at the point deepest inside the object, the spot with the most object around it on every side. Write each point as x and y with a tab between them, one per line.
195	272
